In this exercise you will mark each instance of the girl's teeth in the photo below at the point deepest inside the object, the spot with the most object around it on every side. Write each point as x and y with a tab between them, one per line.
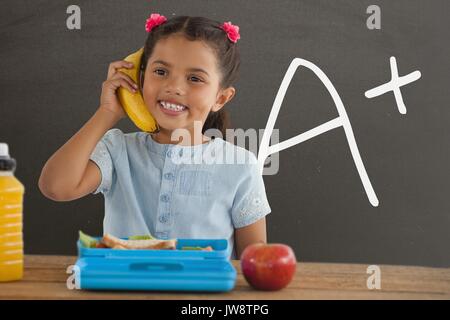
171	106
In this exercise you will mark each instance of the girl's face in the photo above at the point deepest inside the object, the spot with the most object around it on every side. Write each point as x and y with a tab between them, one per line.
185	73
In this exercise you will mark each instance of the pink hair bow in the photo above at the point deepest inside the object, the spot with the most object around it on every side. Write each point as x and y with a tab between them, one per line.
153	21
232	31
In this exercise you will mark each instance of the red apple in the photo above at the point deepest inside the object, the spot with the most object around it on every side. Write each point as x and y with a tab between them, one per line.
268	266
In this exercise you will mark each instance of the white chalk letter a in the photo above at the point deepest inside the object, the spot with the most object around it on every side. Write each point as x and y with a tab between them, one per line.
342	120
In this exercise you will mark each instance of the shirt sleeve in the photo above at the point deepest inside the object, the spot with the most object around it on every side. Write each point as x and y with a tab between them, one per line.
103	155
250	203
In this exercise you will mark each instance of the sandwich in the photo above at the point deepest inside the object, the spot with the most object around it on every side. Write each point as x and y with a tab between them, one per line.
134	242
113	242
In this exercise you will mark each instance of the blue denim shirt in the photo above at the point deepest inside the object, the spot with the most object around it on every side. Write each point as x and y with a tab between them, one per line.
173	191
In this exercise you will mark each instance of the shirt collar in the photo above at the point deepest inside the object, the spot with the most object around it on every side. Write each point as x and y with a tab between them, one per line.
163	148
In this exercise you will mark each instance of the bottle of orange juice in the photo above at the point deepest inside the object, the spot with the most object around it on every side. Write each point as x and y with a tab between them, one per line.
11	204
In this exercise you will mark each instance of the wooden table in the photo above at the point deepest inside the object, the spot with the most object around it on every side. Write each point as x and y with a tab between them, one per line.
45	278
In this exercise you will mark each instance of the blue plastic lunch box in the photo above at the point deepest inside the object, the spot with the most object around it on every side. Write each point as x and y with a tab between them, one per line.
158	270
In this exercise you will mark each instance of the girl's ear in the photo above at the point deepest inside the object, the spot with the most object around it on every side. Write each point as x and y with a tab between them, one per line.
224	96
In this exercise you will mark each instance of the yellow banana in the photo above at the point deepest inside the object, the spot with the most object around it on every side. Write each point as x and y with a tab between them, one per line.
133	103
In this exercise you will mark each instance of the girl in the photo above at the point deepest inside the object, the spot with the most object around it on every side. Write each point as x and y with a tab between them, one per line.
188	68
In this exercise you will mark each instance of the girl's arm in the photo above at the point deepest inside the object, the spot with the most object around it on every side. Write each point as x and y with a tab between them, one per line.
254	233
69	174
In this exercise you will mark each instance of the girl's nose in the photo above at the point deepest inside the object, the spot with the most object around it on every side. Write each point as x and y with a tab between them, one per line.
174	86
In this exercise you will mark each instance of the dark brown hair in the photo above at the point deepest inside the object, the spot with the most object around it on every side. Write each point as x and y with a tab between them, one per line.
227	54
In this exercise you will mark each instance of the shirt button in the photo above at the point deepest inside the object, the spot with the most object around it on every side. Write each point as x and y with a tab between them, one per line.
180	153
165	198
169	153
164	218
169	176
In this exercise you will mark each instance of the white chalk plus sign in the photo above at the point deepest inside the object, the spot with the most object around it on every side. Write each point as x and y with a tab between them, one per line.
394	85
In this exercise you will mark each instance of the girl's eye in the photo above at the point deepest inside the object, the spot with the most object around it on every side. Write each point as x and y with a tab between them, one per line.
161	72
197	79
158	70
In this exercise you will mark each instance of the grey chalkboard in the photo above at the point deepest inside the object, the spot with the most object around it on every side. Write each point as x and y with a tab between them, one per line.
50	80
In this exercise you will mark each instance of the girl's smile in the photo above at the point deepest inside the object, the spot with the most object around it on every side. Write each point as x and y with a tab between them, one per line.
172	109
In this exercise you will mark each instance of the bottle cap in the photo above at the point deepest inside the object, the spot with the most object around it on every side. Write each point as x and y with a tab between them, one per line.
6	162
4	151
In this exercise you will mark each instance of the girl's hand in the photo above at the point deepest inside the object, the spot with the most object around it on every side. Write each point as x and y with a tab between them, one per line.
116	79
